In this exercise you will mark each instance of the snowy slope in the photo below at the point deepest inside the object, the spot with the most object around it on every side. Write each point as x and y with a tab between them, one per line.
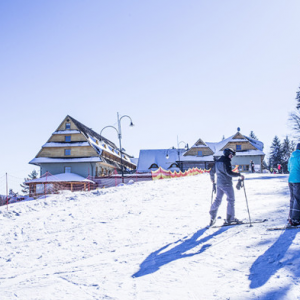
148	241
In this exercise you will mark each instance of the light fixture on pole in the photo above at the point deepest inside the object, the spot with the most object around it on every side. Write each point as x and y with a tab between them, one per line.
167	155
186	146
119	132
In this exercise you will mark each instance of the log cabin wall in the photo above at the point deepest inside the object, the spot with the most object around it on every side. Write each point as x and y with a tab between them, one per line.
244	146
75	137
194	151
84	151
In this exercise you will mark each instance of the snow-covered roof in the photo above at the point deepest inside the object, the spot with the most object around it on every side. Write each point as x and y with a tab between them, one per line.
242	153
40	160
197	158
62	177
99	146
159	157
68	131
257	144
57	144
216	147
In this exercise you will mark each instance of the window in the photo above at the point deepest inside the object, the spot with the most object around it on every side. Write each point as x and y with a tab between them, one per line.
173	165
238	147
154	166
243	168
67	151
67	138
199	153
67	169
68	125
40	188
49	188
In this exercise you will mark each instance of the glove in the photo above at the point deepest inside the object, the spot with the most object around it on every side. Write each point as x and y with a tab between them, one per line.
240	184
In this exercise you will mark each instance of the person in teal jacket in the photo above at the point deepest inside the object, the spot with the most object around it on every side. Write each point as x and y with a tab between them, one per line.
294	185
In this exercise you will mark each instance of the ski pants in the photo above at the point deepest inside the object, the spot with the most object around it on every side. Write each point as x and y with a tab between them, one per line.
229	192
294	201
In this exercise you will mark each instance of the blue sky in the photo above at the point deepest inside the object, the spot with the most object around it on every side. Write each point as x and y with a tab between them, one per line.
192	69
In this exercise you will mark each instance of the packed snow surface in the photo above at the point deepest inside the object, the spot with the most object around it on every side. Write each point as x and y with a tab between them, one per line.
149	240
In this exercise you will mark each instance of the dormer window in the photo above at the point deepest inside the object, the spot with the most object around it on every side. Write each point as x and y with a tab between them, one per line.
238	147
173	165
154	166
67	138
199	153
68	125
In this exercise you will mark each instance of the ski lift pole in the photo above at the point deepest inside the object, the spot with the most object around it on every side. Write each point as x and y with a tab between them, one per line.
247	203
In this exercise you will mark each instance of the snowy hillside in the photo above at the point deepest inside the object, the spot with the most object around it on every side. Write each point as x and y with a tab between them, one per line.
148	241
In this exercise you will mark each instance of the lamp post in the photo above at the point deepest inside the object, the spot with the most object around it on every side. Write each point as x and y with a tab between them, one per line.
178	152
186	146
119	132
167	155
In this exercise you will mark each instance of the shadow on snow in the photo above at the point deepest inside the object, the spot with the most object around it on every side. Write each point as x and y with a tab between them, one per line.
280	176
159	258
271	261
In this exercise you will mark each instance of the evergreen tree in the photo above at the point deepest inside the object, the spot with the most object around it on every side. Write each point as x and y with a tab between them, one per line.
295	116
276	153
287	148
253	136
31	176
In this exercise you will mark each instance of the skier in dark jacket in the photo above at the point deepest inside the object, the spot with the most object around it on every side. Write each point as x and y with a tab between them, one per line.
294	185
223	169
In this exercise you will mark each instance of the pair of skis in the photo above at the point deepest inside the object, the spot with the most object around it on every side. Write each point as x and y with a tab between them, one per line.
288	226
256	221
238	223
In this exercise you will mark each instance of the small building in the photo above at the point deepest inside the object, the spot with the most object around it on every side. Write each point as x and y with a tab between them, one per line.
51	184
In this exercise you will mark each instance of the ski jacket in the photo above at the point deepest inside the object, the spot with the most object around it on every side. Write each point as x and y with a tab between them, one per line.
223	169
294	167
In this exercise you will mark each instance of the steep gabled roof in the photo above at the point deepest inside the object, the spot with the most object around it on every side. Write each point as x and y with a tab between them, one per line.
88	131
254	147
90	138
199	145
238	137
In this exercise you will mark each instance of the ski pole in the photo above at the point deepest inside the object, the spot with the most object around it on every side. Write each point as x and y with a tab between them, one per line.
212	192
247	204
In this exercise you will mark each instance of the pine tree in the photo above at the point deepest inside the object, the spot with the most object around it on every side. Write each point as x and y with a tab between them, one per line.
31	176
287	148
295	116
276	153
253	136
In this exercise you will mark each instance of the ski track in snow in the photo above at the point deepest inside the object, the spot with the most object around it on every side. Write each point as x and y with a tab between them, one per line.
149	240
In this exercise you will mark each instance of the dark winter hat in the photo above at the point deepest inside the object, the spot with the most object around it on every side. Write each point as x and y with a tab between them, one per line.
228	151
298	146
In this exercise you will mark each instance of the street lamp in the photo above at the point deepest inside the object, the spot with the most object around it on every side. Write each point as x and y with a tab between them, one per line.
119	132
167	155
186	146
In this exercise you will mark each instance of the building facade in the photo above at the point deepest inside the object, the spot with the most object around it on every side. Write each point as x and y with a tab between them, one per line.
75	148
